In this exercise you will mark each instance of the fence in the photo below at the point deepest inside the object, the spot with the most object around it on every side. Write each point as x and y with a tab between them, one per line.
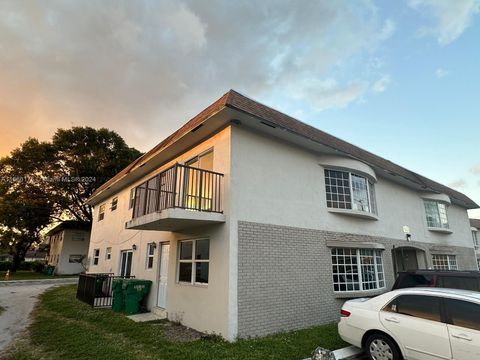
96	289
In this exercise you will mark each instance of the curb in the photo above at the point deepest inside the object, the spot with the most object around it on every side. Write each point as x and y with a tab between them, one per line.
39	282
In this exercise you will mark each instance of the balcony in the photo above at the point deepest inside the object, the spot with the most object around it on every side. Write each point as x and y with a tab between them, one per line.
180	197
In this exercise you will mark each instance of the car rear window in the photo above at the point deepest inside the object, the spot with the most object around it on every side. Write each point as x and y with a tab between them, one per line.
415	280
456	282
463	313
419	306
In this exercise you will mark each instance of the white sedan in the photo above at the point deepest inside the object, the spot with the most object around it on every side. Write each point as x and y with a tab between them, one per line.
415	324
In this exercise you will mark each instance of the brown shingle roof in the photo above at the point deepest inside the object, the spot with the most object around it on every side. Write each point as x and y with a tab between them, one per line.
235	100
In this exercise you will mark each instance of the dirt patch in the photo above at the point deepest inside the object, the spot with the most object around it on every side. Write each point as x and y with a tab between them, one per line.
2	309
179	333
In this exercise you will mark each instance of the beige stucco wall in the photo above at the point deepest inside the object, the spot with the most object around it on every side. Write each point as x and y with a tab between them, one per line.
72	247
201	307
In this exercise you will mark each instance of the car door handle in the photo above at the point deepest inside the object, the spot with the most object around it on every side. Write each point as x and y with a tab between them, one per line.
462	336
392	319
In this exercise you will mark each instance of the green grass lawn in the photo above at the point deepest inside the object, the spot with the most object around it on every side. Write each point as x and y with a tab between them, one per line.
64	328
30	275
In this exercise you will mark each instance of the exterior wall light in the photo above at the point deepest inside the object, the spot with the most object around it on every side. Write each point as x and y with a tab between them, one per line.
134	247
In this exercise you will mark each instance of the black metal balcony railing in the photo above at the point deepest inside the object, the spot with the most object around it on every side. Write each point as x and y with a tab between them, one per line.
182	187
96	289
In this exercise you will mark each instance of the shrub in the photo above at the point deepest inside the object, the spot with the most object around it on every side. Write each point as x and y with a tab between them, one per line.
5	265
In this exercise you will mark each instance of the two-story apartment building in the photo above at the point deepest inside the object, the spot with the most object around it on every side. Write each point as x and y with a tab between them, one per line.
475	227
68	247
250	222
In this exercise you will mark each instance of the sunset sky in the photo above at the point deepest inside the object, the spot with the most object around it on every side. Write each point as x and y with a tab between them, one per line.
398	78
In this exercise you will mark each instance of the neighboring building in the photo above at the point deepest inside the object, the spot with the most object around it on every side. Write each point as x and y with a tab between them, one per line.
68	247
475	227
250	222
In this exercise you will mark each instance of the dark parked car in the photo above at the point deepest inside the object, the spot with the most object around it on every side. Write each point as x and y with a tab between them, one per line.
453	279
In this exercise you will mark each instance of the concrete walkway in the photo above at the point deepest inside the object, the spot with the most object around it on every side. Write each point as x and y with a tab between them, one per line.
18	302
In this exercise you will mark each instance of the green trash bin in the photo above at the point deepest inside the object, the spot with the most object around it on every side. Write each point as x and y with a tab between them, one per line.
117	295
135	291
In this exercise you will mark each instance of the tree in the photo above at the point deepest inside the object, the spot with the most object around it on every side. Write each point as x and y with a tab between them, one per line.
41	182
25	208
84	159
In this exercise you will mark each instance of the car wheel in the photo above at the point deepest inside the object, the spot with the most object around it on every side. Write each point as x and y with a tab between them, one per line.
381	347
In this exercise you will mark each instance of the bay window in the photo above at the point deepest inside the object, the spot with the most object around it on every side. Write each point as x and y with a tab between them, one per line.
345	190
357	269
436	212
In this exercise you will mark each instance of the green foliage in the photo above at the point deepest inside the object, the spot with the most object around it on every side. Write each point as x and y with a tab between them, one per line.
5	265
45	181
64	328
85	158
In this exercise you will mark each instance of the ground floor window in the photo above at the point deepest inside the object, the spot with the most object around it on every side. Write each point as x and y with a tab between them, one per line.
357	269
478	262
193	261
150	255
444	262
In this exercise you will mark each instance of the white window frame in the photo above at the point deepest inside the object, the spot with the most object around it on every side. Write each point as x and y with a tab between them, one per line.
372	203
376	253
131	199
114	204
96	256
150	256
444	262
193	261
476	243
108	253
101	212
437	206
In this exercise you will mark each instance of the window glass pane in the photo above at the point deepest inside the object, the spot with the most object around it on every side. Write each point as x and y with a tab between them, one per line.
151	249
139	208
464	314
360	193
201	272
202	249
186	250
185	272
150	262
373	200
444	262
424	307
152	192
337	188
465	283
206	161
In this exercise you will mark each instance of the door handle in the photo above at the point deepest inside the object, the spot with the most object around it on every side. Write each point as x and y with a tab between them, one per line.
392	319
462	336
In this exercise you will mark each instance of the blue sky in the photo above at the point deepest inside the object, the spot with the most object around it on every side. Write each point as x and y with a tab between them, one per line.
398	78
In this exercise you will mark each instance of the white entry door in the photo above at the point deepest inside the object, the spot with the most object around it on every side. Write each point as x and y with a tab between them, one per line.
162	279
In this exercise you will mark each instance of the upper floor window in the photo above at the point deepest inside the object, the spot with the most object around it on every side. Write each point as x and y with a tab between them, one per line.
108	253
357	269
475	240
436	214
444	262
131	201
101	212
96	256
346	190
114	204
